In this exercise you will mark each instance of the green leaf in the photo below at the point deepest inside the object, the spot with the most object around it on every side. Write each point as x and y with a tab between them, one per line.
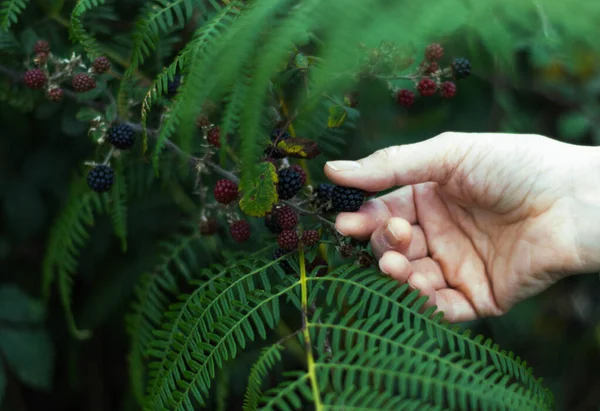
29	353
16	306
260	194
573	125
298	147
337	116
111	113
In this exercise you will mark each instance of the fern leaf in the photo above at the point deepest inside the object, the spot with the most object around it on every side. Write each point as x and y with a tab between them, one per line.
67	236
10	11
117	204
267	359
77	31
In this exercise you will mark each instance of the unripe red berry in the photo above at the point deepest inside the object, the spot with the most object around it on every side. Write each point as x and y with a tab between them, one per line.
41	46
310	237
405	98
225	191
432	68
434	52
83	82
287	218
427	87
41	58
288	240
35	79
240	231
214	137
101	65
448	89
55	94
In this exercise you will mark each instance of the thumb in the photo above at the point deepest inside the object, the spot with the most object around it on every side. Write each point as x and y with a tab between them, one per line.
432	160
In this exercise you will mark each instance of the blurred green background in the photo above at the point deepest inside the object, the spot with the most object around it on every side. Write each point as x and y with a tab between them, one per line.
43	144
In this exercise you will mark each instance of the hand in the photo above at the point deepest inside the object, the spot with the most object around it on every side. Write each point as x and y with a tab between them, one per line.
482	221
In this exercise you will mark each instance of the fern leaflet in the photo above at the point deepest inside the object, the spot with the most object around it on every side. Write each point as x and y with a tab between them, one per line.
10	11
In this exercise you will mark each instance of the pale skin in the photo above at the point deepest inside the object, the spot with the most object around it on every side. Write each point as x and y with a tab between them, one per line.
482	220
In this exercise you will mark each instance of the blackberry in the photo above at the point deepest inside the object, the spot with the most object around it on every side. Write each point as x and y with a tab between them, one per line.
365	260
347	198
41	46
405	98
82	83
300	171
310	237
290	183
432	68
448	89
35	79
173	85
277	254
279	135
317	262
101	65
209	226
434	52
101	178
55	94
41	58
214	137
240	231
427	87
461	67
346	251
272	224
287	218
121	136
323	195
225	191
288	240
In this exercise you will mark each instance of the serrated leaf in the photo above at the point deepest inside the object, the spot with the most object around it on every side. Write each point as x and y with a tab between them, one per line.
298	147
260	195
337	116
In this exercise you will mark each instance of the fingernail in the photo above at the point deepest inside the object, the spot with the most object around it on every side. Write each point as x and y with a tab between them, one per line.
340	231
391	236
343	165
383	271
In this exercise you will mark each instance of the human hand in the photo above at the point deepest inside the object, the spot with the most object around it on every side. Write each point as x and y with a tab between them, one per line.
482	221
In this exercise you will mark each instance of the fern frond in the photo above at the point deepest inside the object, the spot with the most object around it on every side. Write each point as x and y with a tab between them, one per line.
206	328
268	357
116	203
10	11
67	236
77	31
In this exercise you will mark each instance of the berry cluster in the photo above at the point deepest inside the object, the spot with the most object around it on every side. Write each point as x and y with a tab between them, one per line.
432	79
40	77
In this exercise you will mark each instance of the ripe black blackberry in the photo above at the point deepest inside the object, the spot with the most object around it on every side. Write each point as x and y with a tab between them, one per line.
101	65
225	191
290	183
41	46
317	262
461	67
448	89
347	198
434	52
288	240
55	94
121	136
101	178
323	196
427	87
287	218
277	254
240	231
272	224
173	85
300	171
35	79
310	238
83	82
405	98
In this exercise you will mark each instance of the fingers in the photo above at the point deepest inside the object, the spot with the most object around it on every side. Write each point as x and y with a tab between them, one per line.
426	276
398	235
376	212
432	160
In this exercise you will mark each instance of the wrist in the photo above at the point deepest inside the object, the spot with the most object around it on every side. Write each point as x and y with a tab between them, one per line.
585	200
